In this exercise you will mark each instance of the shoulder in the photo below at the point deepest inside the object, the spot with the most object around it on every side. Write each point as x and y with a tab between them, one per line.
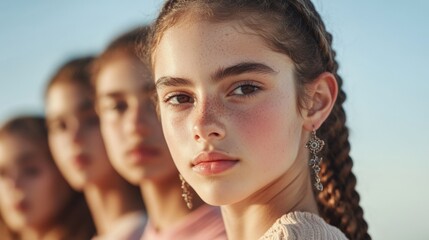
302	225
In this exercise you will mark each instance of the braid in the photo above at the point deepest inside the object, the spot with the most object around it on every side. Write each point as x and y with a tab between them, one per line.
313	20
339	202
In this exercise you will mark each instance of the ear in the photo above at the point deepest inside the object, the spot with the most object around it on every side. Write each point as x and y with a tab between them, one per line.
321	96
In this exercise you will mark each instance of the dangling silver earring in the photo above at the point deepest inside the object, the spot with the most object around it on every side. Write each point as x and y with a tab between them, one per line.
186	194
315	145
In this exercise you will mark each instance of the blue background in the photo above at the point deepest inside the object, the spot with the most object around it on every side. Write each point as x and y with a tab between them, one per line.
383	52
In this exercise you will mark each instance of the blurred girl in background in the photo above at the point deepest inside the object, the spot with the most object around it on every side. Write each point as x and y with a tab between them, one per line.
136	146
78	149
35	200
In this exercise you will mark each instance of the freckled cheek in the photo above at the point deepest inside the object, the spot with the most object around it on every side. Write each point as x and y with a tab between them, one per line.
265	130
176	134
255	123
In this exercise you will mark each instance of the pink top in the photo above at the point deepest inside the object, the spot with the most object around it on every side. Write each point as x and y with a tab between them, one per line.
128	227
203	223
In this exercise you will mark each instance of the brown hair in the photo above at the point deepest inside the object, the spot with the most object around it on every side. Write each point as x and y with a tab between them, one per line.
132	44
125	45
295	28
75	219
74	71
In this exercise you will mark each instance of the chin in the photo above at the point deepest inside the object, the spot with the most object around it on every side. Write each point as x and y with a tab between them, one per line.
79	182
133	178
77	185
215	198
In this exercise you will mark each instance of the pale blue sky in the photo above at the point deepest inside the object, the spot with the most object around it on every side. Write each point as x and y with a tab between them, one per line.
383	53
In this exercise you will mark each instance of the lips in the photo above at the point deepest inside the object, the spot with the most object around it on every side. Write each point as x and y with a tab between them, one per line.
80	161
20	206
142	154
212	163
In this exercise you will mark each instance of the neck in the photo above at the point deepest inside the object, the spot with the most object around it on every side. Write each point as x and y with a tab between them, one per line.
164	202
255	215
109	202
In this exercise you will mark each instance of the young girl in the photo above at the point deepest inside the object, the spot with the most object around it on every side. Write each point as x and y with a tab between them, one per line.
136	146
248	96
35	200
78	149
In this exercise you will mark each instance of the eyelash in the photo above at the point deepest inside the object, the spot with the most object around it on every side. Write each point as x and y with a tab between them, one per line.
256	87
170	96
119	106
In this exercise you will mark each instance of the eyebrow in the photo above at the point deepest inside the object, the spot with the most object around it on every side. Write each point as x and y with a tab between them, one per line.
241	68
171	82
86	105
25	158
146	88
221	73
115	94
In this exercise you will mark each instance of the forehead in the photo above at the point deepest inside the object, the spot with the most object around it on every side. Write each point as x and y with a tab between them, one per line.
122	74
206	45
204	35
18	150
67	98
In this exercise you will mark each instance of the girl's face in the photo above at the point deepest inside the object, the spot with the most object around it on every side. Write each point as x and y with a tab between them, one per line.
129	123
32	190
74	135
228	107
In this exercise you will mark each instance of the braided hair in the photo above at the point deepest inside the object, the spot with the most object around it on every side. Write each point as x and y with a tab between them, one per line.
295	28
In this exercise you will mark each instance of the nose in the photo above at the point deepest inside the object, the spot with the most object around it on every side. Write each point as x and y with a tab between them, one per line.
77	132
207	124
136	120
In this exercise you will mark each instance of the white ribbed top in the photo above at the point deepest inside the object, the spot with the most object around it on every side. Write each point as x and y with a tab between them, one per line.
302	225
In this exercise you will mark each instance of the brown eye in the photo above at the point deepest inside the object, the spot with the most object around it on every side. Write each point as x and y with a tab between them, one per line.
92	121
2	173
179	99
120	106
31	171
245	89
57	126
183	99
